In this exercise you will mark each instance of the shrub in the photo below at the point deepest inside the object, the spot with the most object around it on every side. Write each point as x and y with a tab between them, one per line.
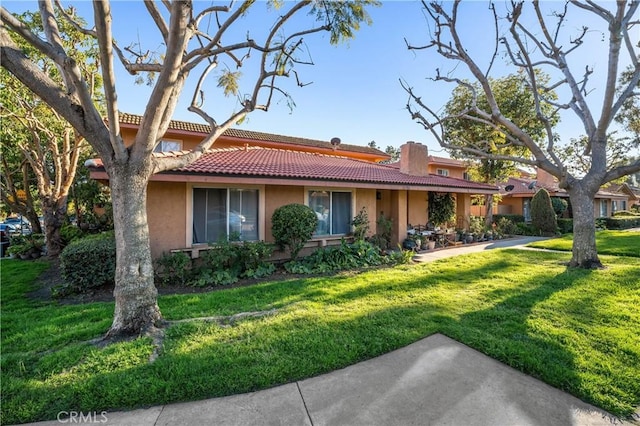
70	233
359	254
227	262
382	239
565	226
361	225
543	218
626	213
173	268
292	226
89	262
559	205
515	218
506	226
620	222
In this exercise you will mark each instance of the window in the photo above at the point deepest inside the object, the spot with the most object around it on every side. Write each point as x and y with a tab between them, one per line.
442	172
466	176
603	208
614	206
222	213
333	209
526	209
623	204
168	145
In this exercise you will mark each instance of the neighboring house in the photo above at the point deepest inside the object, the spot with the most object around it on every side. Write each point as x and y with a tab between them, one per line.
517	193
235	187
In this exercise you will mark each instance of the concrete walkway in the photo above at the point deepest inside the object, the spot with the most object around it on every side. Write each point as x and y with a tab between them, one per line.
435	381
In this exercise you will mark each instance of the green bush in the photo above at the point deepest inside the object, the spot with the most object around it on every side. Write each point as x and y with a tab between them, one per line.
626	213
89	262
565	226
361	225
559	205
346	256
515	218
620	222
70	233
506	226
227	262
526	229
292	226
173	268
382	239
543	217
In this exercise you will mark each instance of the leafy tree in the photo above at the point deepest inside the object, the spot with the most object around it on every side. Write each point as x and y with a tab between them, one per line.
466	128
390	150
199	37
536	40
543	217
40	140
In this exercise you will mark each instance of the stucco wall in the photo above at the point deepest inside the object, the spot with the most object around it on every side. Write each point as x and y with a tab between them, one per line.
367	198
417	211
276	196
166	212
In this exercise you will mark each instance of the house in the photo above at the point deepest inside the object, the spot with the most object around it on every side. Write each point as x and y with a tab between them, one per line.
517	193
235	187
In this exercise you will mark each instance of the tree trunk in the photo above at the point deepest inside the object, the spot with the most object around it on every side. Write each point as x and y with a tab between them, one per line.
488	219
136	309
54	214
585	253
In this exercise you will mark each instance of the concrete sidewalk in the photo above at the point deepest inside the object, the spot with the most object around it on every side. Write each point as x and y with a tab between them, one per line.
431	255
435	381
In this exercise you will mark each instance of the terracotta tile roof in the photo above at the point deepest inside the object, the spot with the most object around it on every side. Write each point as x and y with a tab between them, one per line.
521	187
204	129
268	162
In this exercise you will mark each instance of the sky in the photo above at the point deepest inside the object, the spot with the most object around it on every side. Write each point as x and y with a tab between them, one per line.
355	93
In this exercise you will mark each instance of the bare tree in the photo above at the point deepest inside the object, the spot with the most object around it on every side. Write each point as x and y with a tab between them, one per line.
534	43
192	41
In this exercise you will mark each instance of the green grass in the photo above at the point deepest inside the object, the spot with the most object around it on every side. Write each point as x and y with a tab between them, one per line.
615	243
578	330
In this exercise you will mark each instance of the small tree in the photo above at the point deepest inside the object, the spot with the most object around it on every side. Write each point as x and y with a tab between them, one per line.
543	217
361	225
292	226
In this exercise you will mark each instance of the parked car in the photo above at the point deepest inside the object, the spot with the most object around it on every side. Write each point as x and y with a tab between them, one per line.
22	225
6	231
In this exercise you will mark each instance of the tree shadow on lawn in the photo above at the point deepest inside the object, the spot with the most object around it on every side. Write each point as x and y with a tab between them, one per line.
501	330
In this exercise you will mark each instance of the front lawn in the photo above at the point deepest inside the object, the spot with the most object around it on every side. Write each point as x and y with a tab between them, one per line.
575	329
616	243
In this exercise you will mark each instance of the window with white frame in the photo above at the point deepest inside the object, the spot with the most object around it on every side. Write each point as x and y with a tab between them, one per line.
442	172
623	205
614	206
603	208
225	214
166	145
333	209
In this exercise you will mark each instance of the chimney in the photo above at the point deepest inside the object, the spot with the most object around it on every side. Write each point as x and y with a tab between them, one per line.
414	159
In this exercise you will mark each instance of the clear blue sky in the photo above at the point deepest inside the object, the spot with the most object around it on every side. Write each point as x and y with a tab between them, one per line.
355	94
